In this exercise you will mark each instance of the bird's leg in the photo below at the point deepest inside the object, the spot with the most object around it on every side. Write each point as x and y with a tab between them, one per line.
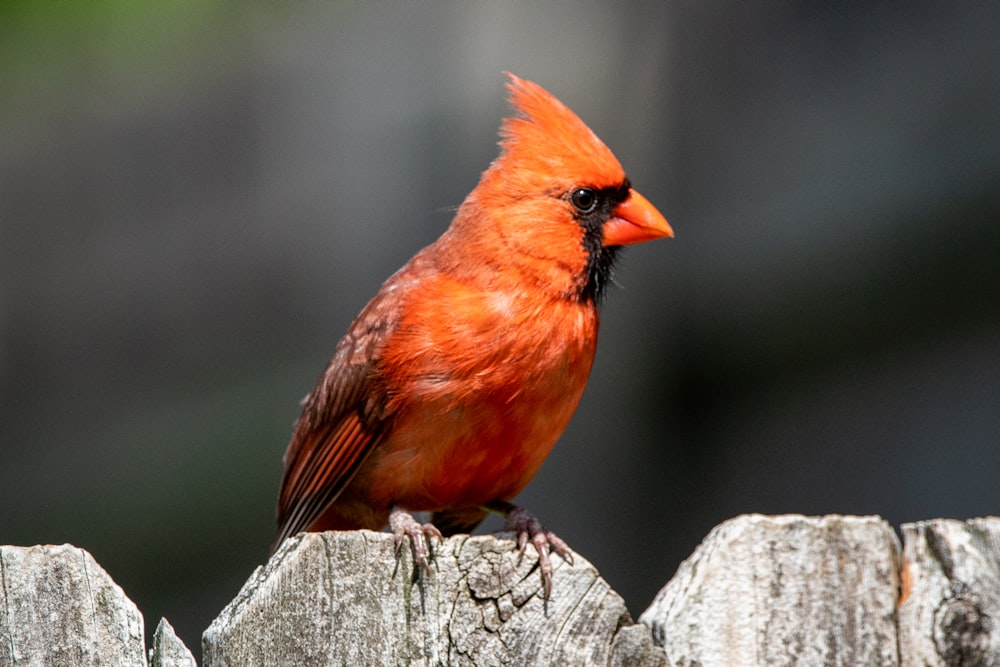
404	526
527	527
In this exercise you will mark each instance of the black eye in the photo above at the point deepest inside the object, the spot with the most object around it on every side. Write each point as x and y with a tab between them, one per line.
584	199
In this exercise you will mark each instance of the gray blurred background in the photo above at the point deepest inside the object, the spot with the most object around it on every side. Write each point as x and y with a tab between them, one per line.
196	199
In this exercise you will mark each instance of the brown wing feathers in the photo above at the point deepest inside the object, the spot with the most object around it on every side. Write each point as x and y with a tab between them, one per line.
339	426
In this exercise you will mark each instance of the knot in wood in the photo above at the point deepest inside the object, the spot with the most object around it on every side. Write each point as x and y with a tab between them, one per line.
962	634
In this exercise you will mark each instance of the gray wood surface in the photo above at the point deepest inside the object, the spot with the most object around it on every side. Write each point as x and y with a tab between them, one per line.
58	607
345	598
950	611
168	650
783	590
760	590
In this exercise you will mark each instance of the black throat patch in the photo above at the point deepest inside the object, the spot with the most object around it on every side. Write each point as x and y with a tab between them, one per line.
600	258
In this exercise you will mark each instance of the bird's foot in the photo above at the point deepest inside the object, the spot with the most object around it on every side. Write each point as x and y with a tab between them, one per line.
404	526
528	528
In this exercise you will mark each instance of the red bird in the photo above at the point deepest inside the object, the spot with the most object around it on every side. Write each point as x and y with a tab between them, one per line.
452	385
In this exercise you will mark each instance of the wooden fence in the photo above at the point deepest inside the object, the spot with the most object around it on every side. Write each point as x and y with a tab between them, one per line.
760	590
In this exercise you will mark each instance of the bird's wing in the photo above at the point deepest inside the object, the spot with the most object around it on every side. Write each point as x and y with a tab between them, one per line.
343	419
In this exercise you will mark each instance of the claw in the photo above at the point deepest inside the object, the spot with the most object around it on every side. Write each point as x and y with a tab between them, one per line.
404	526
527	527
522	539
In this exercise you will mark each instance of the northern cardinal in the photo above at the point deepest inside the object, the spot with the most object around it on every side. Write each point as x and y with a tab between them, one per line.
452	385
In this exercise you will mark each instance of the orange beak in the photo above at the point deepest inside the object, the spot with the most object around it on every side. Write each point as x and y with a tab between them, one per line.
635	220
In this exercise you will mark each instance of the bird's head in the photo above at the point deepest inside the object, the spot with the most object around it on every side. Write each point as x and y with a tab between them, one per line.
557	194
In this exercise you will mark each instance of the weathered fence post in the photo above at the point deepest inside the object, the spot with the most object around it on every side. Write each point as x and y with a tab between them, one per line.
784	590
168	650
345	598
950	611
760	590
58	607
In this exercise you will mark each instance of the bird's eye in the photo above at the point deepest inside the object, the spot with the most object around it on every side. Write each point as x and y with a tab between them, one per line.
584	199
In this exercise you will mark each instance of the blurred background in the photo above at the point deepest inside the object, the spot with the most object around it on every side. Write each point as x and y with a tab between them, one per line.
196	199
